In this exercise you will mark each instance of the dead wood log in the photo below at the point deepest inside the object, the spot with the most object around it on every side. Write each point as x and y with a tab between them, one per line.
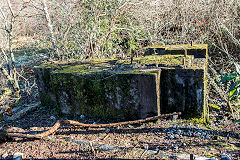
19	112
7	133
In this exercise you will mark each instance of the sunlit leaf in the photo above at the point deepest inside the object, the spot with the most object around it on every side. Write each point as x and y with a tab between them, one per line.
214	106
237	121
235	85
228	77
232	93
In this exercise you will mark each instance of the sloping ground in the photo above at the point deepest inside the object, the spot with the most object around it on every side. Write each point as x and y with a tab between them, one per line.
162	139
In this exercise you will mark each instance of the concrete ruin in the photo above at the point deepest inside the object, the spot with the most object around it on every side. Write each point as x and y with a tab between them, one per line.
167	79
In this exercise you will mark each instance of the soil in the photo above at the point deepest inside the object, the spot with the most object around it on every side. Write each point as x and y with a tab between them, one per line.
155	140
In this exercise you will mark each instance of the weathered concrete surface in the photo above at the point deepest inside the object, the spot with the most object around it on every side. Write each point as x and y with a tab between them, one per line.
109	95
43	77
128	89
182	90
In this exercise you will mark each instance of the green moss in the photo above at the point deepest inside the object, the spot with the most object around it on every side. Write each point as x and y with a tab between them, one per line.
47	65
124	66
96	61
180	46
81	69
171	60
197	120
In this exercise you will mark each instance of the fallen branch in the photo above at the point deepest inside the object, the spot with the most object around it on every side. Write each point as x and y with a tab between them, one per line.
7	133
19	112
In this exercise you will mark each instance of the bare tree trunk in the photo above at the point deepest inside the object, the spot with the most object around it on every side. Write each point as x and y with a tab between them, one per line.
11	73
6	60
12	81
14	71
50	28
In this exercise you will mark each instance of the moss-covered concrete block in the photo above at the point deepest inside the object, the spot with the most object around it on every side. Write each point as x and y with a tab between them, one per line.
172	80
99	90
183	87
107	95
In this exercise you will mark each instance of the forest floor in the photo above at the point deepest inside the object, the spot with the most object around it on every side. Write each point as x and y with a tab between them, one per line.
162	139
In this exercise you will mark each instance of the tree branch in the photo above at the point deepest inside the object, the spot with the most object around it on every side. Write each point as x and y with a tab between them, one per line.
10	8
6	60
4	133
10	79
50	27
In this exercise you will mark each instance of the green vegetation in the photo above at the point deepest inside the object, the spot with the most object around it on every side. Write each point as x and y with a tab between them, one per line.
234	92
